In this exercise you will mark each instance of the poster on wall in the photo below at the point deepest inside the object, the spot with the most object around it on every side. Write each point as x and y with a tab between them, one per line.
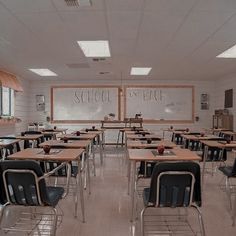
204	101
40	103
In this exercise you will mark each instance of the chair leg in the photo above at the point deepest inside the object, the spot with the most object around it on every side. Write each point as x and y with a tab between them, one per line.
118	139
122	139
200	219
228	192
55	222
142	221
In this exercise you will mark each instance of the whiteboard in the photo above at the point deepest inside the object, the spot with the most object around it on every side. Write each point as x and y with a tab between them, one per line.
160	103
75	104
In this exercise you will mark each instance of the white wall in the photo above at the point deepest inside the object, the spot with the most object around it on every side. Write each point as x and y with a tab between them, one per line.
21	111
43	88
228	82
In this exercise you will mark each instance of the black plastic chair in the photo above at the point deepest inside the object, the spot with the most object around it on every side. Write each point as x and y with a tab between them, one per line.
177	139
173	185
24	184
229	172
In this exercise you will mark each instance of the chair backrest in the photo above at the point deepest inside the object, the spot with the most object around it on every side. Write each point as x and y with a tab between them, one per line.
3	198
234	168
33	132
175	184
21	183
194	133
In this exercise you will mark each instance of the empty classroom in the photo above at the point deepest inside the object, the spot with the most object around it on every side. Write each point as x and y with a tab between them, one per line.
118	117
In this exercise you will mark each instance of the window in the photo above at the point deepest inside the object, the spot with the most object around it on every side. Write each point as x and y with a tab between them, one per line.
7	101
228	98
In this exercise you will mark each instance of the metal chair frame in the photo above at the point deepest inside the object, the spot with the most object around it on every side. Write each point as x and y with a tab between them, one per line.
38	203
190	203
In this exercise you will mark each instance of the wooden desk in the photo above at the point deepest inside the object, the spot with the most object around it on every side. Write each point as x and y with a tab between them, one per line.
197	138
30	137
215	144
219	144
63	131
135	131
230	134
154	144
86	136
4	143
82	136
137	155
141	137
171	130
63	155
73	144
100	135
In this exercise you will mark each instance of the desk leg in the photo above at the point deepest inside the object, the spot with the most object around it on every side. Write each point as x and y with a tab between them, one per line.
79	188
103	139
100	149
68	169
4	153
33	143
204	164
93	157
129	175
88	169
132	188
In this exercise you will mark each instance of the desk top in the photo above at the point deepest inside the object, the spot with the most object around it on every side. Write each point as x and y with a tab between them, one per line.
30	136
220	144
54	155
7	142
199	137
70	144
147	155
228	132
135	131
154	144
92	131
147	136
80	137
181	132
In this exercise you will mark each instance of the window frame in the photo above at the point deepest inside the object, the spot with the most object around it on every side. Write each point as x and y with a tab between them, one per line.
10	93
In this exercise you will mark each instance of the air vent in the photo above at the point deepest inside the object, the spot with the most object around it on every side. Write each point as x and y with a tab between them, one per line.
76	3
78	65
104	73
99	59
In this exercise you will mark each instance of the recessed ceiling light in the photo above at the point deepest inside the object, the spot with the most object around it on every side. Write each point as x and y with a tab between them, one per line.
140	70
99	48
229	53
43	72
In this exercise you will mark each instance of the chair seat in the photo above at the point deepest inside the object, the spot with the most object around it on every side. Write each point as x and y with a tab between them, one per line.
54	195
227	170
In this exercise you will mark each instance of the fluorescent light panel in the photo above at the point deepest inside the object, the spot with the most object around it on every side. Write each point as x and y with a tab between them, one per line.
43	72
229	53
140	70
98	48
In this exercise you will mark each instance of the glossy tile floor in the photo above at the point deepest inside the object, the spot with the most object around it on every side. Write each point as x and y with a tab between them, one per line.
108	206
